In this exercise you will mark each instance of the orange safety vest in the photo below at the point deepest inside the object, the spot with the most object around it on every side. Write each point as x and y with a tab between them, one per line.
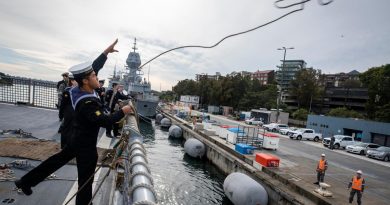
321	164
357	183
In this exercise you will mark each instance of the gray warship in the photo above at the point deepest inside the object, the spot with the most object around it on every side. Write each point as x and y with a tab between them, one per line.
137	87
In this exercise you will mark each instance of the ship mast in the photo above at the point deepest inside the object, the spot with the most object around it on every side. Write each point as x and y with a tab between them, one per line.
148	73
114	71
135	43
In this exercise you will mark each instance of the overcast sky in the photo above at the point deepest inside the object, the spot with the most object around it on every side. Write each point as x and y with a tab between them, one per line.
42	39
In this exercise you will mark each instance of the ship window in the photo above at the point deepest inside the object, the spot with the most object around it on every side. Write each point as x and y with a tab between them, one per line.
145	105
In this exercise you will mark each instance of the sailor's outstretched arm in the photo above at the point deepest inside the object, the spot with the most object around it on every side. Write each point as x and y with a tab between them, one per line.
99	62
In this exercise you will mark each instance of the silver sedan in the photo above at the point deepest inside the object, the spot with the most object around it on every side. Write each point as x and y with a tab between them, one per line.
382	153
361	148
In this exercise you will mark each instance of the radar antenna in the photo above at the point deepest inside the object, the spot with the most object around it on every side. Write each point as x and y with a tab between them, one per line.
135	43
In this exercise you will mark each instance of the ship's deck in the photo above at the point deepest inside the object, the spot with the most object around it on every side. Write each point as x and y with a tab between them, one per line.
43	124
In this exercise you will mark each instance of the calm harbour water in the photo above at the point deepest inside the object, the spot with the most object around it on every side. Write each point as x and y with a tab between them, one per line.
180	179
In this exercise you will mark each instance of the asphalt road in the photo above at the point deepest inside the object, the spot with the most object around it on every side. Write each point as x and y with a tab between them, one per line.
341	167
298	148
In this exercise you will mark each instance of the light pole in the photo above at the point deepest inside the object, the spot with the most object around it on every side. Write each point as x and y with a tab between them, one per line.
281	82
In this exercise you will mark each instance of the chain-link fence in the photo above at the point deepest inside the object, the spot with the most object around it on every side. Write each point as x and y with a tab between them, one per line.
27	91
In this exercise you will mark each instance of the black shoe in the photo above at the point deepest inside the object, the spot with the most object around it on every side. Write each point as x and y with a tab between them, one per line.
109	135
316	183
26	190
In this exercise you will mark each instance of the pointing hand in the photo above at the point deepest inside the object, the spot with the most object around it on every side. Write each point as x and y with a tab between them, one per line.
111	49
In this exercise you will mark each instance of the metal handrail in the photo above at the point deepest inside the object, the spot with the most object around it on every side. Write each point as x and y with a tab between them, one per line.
137	181
26	91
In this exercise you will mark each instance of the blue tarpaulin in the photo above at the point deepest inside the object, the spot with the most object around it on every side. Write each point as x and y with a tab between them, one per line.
236	130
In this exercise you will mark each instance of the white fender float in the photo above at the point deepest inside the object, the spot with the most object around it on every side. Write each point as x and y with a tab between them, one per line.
159	117
243	190
166	123
175	131
194	148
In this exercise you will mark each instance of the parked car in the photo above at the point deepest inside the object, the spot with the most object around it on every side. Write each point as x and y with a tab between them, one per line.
274	127
202	110
213	122
361	148
292	132
308	134
382	153
341	141
287	131
254	121
269	126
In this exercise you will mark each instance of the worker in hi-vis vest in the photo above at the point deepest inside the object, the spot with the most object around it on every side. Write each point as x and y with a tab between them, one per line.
321	168
357	186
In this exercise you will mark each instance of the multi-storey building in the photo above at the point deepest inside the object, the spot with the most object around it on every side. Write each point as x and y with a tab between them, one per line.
284	76
287	71
242	73
344	90
198	77
265	76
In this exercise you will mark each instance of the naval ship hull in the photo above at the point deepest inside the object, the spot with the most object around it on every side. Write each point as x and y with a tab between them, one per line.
146	108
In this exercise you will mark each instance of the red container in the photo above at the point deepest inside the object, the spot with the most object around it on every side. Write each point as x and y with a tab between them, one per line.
268	134
267	160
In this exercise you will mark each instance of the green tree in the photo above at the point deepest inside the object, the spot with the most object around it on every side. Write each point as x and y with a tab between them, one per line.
344	112
215	92
186	87
300	114
264	97
240	87
383	113
5	79
377	80
306	86
256	86
167	96
204	90
236	91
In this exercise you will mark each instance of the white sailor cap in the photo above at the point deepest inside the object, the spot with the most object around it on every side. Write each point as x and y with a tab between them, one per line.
359	172
116	82
82	69
70	75
322	155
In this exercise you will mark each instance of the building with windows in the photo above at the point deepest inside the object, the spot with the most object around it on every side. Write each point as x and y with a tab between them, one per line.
284	76
342	79
201	76
242	73
287	71
340	89
344	90
265	76
361	130
191	101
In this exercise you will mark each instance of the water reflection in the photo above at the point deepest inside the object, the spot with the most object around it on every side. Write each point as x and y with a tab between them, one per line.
180	179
